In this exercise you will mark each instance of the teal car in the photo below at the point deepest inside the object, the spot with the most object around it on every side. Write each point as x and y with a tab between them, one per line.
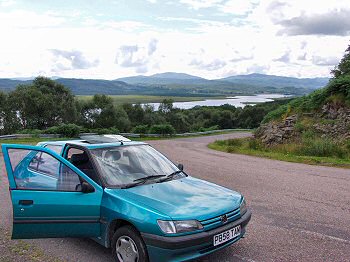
125	195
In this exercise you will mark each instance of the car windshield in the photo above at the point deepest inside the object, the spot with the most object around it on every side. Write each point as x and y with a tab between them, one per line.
123	165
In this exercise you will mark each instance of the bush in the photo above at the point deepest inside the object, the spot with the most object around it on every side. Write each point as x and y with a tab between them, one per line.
104	131
66	130
34	132
164	129
140	129
211	128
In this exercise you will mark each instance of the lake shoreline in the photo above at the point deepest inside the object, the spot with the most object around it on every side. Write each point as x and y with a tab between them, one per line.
237	101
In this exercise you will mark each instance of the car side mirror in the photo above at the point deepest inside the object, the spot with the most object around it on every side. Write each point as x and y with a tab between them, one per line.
180	166
86	187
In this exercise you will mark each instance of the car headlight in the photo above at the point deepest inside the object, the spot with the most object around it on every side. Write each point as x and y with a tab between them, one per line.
180	226
243	207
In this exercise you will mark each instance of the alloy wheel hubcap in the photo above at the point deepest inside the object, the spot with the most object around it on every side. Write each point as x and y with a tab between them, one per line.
126	250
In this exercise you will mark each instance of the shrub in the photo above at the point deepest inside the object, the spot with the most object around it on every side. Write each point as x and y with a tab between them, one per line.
140	129
164	129
102	131
66	130
211	128
34	132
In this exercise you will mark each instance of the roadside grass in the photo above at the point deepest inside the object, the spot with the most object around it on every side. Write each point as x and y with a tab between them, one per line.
290	152
134	99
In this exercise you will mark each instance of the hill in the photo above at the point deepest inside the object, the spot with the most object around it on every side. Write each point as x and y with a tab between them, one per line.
167	78
278	81
180	84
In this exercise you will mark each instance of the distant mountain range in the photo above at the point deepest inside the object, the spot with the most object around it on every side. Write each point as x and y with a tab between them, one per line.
180	84
277	81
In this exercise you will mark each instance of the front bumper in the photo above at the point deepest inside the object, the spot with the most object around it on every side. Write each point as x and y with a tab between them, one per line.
164	248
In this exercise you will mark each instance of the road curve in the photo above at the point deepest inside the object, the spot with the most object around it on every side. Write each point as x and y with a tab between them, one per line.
300	212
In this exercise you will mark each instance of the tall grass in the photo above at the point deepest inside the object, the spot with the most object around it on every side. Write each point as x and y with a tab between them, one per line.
310	148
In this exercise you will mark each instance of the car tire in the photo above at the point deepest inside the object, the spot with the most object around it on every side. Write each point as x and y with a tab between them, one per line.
126	242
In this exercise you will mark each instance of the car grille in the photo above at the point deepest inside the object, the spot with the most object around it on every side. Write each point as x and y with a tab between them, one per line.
216	221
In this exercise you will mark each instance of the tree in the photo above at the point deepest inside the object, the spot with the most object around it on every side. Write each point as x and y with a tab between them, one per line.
8	119
166	106
164	129
100	112
343	68
42	104
135	113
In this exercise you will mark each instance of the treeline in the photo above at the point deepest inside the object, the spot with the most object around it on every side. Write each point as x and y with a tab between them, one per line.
49	107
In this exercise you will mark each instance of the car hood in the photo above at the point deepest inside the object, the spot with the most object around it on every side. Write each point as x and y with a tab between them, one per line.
185	198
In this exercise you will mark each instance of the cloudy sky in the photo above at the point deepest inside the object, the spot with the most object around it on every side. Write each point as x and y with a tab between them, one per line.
208	38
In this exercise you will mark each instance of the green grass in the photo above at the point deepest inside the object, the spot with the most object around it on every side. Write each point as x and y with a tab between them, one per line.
249	146
134	99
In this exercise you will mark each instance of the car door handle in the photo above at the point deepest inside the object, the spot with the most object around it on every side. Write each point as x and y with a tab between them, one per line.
26	202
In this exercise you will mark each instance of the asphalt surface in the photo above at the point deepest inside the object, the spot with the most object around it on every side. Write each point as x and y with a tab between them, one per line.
300	212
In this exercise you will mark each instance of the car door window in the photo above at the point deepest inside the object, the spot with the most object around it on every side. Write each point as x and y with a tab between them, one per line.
34	170
80	159
45	164
55	148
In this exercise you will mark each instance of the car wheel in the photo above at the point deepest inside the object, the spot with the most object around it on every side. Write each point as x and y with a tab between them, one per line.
128	245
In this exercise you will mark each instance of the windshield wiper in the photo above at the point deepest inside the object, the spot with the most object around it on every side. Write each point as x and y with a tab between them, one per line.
171	176
141	181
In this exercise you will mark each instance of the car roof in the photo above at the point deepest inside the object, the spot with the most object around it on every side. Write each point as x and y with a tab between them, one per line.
88	145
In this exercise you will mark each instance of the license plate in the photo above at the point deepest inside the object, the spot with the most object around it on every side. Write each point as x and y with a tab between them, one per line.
227	235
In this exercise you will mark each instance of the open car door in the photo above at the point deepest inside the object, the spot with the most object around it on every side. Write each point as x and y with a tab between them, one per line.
50	196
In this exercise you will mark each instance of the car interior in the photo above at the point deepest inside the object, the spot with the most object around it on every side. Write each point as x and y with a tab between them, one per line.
81	160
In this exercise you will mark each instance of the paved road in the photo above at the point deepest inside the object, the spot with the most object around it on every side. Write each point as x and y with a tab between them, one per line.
300	212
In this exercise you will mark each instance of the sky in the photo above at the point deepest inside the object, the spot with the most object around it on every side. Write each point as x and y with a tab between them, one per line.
213	39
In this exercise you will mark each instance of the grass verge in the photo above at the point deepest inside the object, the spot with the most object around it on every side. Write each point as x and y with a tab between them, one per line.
249	146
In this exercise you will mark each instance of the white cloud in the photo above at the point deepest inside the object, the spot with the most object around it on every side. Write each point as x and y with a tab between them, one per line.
27	19
238	7
7	3
198	4
89	46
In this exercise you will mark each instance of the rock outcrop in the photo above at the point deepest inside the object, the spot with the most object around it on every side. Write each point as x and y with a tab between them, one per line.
333	121
277	133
